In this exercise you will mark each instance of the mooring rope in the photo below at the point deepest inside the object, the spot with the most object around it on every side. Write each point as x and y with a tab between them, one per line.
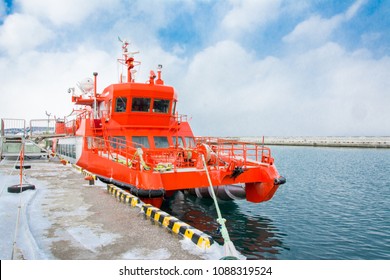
21	157
230	250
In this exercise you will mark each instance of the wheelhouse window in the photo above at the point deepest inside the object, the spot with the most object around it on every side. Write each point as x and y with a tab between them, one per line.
140	141
173	107
190	142
161	106
178	141
120	104
161	142
140	104
118	142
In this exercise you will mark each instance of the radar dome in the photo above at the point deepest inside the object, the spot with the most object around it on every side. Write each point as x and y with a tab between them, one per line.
86	85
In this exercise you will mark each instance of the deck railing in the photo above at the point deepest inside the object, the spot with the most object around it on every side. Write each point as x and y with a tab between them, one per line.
245	151
70	124
116	149
13	127
221	151
39	127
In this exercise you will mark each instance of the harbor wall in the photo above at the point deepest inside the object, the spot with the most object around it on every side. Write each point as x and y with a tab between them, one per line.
328	141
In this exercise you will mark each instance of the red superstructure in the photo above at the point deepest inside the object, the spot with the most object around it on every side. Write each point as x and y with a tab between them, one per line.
131	135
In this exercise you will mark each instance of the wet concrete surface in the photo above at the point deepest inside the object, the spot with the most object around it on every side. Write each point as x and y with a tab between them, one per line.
71	220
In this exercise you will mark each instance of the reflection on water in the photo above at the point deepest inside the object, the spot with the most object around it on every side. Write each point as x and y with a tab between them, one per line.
255	236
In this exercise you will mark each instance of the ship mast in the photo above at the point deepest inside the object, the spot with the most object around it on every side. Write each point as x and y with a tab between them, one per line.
128	61
95	110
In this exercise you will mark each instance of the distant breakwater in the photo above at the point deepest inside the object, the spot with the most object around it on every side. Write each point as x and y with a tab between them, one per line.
325	141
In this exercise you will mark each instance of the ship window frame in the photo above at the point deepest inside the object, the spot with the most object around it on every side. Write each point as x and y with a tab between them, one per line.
140	144
117	142
173	107
190	141
67	150
159	143
120	108
181	141
159	106
143	106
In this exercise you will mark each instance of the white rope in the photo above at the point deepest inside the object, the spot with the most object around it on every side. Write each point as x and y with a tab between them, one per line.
16	228
20	204
230	249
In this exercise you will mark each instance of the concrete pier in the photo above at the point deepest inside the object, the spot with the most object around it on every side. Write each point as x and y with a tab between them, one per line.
324	141
67	218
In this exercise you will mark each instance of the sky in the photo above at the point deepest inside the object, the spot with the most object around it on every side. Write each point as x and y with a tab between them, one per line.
240	68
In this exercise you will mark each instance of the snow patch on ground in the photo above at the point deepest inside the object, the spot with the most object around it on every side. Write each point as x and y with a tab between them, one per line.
215	251
142	254
92	239
9	208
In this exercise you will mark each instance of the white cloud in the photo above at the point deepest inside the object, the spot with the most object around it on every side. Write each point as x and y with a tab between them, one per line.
21	33
296	8
250	14
36	82
65	12
226	90
339	92
353	9
324	91
315	30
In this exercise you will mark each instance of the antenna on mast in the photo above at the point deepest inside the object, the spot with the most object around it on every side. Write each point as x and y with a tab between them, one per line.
128	60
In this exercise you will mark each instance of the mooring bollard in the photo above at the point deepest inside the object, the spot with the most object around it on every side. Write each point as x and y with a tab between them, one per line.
90	179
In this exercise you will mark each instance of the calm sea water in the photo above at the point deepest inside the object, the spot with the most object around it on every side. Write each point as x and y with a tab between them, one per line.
335	205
